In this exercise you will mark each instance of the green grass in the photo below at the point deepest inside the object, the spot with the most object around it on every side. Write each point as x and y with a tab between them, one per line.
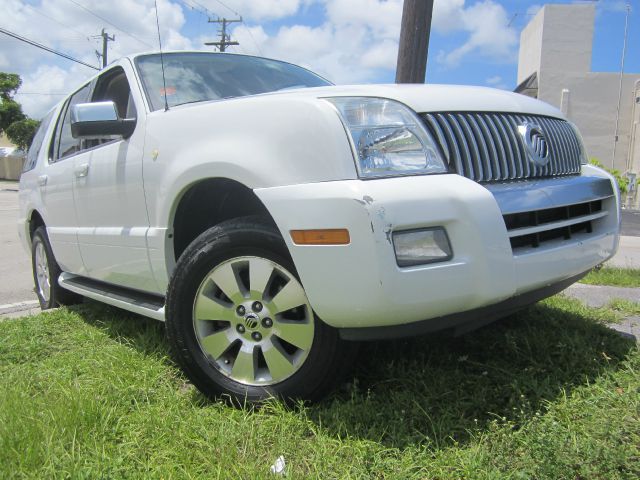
618	277
550	393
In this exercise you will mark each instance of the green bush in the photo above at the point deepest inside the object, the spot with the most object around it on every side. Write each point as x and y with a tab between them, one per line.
622	180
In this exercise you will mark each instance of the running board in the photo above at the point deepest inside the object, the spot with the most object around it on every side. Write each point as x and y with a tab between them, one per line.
146	304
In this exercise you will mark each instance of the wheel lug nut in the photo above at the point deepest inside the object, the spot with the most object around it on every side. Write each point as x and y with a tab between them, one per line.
257	306
256	336
240	328
267	323
240	310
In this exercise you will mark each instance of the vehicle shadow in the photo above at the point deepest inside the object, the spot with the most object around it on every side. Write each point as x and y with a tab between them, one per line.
437	390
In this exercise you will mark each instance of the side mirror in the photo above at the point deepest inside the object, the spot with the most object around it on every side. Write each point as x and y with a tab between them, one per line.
99	119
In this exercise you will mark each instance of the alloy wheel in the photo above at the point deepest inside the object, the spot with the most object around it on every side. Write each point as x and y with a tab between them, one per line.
253	321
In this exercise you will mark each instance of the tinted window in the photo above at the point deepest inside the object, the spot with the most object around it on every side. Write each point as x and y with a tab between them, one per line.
65	144
197	77
114	86
36	144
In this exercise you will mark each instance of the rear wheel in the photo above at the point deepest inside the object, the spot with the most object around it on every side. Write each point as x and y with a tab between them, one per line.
46	272
239	321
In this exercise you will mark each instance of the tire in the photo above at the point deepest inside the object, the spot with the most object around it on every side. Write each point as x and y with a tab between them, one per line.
231	332
46	272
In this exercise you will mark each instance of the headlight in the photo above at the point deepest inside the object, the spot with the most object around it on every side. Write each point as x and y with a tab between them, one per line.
584	159
388	138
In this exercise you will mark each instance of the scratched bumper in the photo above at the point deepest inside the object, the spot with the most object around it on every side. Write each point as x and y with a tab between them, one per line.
360	284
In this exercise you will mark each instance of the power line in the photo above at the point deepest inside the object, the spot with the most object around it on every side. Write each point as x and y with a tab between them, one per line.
254	41
43	47
59	22
204	9
41	93
111	23
228	8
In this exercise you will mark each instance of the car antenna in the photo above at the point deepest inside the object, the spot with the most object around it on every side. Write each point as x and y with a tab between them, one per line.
164	81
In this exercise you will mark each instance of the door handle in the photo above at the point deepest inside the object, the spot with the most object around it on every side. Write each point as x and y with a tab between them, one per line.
42	180
82	170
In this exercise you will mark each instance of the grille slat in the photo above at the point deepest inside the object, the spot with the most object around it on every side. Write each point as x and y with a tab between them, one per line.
472	144
490	145
557	144
440	136
520	167
451	146
503	158
488	162
487	146
464	148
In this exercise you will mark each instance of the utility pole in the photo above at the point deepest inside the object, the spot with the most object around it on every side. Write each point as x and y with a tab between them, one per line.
624	52
225	39
414	41
106	38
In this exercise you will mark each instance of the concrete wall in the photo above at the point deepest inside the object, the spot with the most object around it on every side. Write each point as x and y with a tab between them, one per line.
10	167
592	104
530	48
567	37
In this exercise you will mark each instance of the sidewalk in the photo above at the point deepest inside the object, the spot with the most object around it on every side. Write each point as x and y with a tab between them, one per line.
596	296
10	185
628	255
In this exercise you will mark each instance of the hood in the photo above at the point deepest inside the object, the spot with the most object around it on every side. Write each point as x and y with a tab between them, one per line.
438	98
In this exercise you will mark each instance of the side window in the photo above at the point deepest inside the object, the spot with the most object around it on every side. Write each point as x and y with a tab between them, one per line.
114	86
64	143
36	144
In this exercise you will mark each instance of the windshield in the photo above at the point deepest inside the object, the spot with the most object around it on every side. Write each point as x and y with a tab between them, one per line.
198	77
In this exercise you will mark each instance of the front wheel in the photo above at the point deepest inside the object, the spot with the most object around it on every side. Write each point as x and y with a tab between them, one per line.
239	321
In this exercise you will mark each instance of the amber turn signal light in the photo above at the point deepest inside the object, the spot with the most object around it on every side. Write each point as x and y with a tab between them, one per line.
330	236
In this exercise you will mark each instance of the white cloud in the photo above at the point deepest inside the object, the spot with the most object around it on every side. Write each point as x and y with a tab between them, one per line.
497	81
533	9
252	10
357	40
490	35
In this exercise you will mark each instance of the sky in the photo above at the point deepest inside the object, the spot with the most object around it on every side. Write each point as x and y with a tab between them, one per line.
473	42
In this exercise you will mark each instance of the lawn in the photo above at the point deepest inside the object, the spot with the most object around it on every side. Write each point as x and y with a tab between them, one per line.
618	277
549	393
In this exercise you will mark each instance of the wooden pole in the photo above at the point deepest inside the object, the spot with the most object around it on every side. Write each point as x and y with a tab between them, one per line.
414	41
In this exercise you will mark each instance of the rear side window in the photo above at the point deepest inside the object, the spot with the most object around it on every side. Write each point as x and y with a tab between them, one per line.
36	144
64	143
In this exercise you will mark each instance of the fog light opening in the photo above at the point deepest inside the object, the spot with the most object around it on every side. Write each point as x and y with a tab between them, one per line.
421	246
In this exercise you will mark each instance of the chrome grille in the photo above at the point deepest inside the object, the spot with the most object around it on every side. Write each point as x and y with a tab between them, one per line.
487	147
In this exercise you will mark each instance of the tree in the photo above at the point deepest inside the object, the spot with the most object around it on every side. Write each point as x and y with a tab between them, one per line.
10	112
21	132
19	128
9	85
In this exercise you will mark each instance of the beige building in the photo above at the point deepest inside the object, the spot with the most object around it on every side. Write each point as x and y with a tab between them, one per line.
554	65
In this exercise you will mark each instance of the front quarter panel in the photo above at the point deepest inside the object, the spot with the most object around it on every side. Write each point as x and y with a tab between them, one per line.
262	141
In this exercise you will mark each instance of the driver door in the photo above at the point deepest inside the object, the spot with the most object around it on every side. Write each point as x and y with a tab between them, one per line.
109	194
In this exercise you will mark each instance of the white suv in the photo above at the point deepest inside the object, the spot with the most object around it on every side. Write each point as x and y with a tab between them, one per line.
268	216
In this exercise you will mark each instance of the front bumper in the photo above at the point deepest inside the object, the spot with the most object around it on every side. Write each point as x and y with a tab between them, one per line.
360	285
